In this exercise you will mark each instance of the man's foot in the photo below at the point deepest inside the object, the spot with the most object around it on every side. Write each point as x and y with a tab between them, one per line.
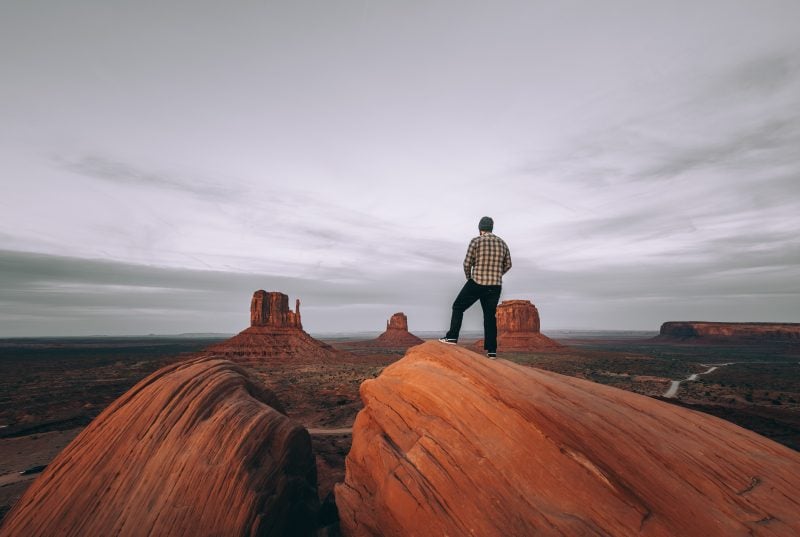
491	355
448	340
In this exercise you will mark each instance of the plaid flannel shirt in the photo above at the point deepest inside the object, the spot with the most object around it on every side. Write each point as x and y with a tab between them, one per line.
487	259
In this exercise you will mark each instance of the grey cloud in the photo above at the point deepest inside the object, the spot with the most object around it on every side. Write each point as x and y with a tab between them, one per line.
156	299
772	141
715	107
88	296
114	171
761	76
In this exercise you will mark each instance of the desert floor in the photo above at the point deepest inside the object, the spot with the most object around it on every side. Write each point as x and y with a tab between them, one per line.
50	389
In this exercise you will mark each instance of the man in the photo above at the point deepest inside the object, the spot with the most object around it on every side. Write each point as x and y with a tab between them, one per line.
487	260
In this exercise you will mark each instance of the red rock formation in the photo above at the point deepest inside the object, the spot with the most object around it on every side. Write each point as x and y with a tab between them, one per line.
396	334
197	449
272	309
518	328
730	332
450	443
398	321
275	332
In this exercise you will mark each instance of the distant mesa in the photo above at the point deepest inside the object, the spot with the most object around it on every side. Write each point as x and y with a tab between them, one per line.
275	332
450	443
396	334
197	448
713	332
518	328
272	309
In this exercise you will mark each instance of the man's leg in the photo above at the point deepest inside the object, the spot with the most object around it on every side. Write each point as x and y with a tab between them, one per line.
489	299
466	298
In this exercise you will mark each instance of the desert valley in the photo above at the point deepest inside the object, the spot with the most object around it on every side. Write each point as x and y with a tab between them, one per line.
274	432
256	259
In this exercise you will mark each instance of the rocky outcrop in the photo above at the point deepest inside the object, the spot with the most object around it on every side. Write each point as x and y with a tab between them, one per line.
396	334
450	443
272	309
275	332
518	328
197	448
729	332
398	322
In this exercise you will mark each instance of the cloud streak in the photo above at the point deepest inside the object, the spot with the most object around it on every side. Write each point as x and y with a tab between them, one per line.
114	171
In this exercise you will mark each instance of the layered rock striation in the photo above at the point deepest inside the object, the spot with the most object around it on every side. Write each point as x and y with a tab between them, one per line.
450	443
197	449
275	332
396	334
729	332
518	328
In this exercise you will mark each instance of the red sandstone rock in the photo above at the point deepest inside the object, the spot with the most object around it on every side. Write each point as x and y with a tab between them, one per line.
733	332
396	334
275	332
272	309
196	449
450	443
518	328
398	321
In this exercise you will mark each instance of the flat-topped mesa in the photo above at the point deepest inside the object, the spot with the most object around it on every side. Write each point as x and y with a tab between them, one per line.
518	328
272	309
451	443
275	332
517	316
718	332
197	448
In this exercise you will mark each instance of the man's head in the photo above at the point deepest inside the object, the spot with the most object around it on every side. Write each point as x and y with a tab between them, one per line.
486	224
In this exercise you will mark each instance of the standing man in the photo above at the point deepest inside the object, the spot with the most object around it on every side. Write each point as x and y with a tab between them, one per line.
487	260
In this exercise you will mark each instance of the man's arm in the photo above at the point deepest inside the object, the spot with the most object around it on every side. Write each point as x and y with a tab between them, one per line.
470	259
507	261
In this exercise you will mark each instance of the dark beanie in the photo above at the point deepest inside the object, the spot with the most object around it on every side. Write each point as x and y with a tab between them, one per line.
486	224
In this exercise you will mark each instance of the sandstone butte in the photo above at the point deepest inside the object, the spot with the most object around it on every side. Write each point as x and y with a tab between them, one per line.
275	332
451	443
518	328
733	332
197	448
396	333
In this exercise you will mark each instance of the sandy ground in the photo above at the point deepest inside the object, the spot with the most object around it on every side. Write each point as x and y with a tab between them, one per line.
18	454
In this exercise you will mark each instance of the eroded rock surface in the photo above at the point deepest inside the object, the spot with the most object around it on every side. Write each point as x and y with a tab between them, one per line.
451	443
732	332
518	328
196	449
275	332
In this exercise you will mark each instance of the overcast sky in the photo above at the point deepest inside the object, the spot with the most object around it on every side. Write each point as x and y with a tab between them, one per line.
161	161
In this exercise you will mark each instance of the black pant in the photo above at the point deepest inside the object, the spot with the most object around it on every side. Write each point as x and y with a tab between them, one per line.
489	295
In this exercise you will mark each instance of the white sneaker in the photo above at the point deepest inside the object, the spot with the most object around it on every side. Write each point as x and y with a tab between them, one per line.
448	341
491	355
